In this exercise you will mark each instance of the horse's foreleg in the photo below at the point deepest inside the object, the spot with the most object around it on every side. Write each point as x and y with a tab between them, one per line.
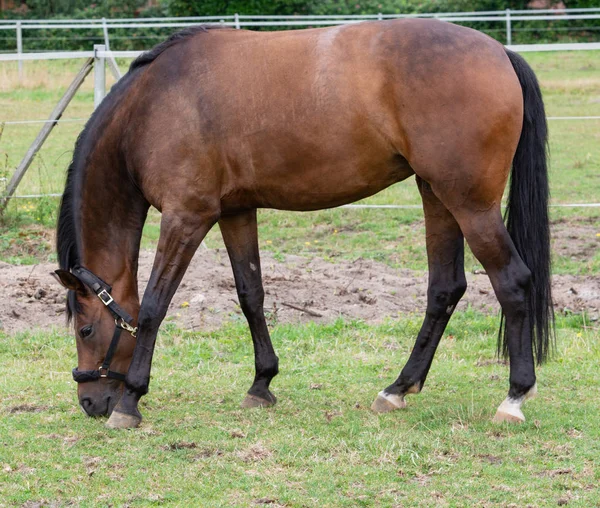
180	235
241	239
447	284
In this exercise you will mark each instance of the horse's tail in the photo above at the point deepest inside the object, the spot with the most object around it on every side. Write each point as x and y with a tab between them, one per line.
526	214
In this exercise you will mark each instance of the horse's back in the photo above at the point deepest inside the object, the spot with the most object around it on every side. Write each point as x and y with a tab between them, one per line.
336	114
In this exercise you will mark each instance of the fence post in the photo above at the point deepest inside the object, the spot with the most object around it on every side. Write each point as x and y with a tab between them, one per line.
236	18
105	30
379	16
20	48
99	75
508	28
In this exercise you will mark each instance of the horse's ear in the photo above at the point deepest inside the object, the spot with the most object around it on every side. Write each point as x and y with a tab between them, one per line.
68	280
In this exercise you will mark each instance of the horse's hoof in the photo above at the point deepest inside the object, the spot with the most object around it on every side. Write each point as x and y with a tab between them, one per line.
384	403
510	411
514	417
254	401
123	421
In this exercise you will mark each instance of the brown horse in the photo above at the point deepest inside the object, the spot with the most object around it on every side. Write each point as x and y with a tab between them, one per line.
212	124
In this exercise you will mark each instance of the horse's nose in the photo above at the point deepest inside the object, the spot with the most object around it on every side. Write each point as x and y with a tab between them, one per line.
92	408
87	405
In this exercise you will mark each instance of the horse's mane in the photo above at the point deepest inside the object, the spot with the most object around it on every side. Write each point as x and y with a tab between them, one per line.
151	55
67	235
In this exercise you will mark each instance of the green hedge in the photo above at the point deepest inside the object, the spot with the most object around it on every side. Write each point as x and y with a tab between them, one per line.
143	38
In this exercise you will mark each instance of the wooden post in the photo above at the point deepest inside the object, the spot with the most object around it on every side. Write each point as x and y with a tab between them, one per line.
45	132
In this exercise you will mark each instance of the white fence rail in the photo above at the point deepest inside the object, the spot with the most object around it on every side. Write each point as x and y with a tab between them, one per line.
103	26
68	55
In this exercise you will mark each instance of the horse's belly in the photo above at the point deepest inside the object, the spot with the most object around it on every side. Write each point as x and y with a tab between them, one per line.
327	186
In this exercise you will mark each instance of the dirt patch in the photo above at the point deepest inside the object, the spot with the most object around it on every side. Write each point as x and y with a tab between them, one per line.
28	241
27	408
297	290
179	445
576	239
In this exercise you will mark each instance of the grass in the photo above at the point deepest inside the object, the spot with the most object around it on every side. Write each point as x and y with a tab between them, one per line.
320	446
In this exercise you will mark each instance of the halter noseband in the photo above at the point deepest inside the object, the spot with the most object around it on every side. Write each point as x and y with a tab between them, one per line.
123	321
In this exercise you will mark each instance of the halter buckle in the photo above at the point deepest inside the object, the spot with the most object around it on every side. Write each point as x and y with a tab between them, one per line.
127	327
105	297
105	369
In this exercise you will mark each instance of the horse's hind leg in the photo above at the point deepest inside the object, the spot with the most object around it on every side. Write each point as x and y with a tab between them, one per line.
476	208
447	284
511	279
241	239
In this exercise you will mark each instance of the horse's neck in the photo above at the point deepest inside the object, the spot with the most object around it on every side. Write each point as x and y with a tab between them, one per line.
112	216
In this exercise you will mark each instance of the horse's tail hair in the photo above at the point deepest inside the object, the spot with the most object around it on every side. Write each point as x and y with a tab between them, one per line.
526	216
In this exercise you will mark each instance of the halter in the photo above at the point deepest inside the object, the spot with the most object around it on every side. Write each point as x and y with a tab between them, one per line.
123	321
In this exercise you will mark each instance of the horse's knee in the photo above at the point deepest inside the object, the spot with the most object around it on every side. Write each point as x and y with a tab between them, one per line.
151	314
252	300
444	297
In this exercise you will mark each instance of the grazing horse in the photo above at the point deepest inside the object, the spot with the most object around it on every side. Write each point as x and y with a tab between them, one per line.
213	124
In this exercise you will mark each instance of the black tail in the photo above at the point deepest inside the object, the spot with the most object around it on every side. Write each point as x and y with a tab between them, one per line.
526	215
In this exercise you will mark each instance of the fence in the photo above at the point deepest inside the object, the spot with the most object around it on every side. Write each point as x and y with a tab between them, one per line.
100	28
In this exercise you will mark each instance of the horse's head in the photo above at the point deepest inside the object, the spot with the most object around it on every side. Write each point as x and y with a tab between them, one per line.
104	334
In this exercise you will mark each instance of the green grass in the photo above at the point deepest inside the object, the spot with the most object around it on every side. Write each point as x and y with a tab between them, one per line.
319	446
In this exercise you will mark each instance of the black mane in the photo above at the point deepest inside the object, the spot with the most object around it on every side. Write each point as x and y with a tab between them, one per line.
67	234
149	56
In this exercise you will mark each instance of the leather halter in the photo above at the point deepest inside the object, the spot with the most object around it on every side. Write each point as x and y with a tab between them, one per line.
123	321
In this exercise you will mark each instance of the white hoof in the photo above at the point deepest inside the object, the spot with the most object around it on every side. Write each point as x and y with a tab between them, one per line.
510	409
123	421
386	402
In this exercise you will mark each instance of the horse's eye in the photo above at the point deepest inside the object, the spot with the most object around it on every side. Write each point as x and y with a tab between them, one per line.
85	331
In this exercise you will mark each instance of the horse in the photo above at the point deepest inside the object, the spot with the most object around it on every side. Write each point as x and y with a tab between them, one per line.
214	123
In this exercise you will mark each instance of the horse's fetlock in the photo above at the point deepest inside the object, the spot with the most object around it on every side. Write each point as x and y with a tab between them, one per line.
267	368
522	387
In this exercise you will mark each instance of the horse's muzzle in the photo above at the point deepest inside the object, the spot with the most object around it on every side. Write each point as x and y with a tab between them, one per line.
98	407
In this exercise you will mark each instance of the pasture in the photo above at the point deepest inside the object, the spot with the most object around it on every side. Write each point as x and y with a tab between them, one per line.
320	445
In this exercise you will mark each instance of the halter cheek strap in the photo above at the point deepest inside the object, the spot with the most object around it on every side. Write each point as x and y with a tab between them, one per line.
123	321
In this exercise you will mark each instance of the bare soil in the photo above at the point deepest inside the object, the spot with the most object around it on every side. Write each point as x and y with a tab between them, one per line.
297	290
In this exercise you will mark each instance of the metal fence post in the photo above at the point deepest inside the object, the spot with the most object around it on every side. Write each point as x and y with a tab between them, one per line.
20	48
508	28
99	75
236	19
105	30
379	16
